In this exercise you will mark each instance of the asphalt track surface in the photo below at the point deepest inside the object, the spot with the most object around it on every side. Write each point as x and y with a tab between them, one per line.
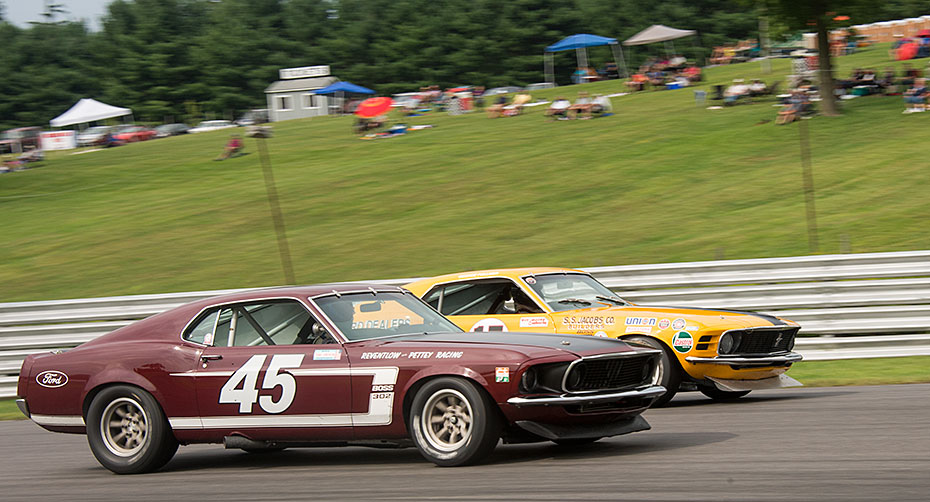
840	443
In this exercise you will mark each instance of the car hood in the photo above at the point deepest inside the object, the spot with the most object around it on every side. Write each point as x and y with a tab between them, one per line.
531	344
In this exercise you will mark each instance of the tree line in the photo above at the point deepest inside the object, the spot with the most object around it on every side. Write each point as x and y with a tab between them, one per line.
187	59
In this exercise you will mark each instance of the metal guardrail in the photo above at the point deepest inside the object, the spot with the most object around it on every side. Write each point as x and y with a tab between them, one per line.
858	305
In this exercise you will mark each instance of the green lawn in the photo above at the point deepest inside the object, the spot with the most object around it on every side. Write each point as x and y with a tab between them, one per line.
896	370
662	180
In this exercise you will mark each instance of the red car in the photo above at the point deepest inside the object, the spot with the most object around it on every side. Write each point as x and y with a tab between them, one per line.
131	134
331	364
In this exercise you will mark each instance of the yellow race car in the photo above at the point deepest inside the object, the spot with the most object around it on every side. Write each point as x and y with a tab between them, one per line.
725	354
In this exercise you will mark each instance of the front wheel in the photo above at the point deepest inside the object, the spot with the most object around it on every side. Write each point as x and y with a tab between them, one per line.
127	431
723	395
666	373
453	423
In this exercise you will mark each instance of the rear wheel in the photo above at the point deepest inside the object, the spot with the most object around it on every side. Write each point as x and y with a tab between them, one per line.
127	431
723	395
453	423
666	373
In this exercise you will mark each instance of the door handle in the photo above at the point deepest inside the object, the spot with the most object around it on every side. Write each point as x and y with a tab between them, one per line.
210	357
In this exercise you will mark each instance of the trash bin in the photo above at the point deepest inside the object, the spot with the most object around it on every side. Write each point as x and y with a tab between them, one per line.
700	97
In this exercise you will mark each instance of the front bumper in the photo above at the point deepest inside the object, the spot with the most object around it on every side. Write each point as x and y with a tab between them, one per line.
581	399
745	362
23	407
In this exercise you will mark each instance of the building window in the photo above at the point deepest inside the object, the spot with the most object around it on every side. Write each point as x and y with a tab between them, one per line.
284	103
311	100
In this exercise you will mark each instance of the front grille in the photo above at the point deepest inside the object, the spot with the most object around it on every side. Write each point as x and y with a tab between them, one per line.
765	341
591	375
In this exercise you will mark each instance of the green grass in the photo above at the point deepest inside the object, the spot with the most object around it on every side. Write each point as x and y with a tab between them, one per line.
881	371
897	370
662	180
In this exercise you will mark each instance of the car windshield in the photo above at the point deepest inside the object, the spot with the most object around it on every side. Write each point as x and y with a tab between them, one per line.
360	316
571	291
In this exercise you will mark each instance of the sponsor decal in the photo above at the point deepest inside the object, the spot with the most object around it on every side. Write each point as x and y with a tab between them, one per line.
381	355
641	321
664	323
692	328
327	355
502	374
52	379
381	323
489	324
682	342
638	329
531	280
678	324
534	322
588	323
448	354
600	334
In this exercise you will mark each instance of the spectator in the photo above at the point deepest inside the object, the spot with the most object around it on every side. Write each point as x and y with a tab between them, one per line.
497	109
797	105
233	147
583	105
558	109
735	92
916	96
757	88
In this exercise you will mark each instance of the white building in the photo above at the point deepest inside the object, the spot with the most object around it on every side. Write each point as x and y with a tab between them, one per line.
292	97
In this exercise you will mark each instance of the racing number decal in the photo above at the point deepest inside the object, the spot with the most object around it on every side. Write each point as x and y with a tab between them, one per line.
247	377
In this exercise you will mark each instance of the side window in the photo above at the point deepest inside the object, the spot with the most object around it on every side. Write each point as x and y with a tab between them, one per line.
282	322
493	296
202	332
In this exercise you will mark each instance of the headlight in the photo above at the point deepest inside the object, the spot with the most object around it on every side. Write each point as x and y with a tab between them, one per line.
528	380
575	377
728	343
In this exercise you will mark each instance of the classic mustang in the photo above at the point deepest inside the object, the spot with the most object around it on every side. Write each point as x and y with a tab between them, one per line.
331	365
723	353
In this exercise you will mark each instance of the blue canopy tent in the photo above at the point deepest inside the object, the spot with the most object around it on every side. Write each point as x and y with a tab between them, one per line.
340	89
580	43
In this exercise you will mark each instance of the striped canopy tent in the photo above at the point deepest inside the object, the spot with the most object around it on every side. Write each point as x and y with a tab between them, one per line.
580	43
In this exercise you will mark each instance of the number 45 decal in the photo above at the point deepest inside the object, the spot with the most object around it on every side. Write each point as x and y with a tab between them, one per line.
247	378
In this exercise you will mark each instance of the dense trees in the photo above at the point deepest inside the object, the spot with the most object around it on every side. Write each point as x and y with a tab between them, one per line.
181	59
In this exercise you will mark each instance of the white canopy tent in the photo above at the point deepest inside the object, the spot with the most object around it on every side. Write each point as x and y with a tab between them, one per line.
88	110
659	33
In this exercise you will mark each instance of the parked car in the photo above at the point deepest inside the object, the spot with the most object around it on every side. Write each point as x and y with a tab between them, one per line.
502	90
722	353
20	139
211	125
133	133
166	130
270	369
93	136
253	117
541	85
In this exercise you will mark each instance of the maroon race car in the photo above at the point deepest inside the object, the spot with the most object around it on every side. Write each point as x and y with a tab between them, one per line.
343	364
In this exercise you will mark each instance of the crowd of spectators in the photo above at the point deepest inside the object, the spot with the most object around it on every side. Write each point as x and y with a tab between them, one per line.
672	73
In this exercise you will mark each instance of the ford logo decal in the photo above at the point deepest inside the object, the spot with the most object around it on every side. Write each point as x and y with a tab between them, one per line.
51	379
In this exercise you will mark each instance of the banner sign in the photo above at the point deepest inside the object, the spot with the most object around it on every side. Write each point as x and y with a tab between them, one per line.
303	72
58	140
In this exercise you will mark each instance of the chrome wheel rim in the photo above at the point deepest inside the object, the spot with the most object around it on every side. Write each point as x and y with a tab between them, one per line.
447	420
658	373
124	427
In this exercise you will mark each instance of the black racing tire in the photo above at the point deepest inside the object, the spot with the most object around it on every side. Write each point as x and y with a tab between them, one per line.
667	373
723	395
571	443
127	431
453	422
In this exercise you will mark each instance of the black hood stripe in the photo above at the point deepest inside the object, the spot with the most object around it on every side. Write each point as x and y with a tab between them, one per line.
772	319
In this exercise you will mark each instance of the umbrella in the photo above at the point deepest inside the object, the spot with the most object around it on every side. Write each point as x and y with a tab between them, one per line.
372	107
924	33
907	51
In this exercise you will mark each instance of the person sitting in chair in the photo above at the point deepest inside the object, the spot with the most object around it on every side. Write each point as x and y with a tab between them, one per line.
558	108
233	146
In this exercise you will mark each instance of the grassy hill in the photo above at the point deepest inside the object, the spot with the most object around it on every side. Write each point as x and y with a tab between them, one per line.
661	180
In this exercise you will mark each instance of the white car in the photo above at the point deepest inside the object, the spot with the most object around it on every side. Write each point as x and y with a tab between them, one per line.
540	85
212	125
